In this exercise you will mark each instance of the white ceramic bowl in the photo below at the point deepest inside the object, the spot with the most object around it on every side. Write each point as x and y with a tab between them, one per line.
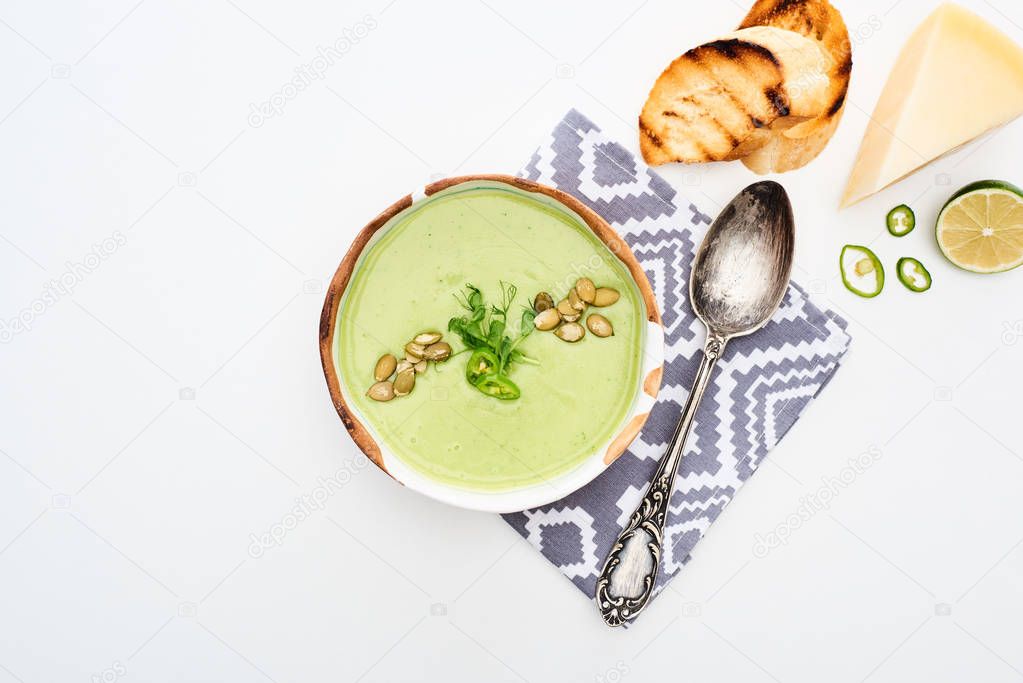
603	453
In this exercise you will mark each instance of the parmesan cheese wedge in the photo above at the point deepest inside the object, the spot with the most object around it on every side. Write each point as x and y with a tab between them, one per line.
957	78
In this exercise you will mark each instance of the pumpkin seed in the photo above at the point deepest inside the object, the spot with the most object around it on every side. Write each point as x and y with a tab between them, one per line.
414	352
385	366
599	325
547	320
570	332
543	302
586	290
405	382
421	366
605	296
403	365
440	351
565	308
575	301
381	391
427	338
574	317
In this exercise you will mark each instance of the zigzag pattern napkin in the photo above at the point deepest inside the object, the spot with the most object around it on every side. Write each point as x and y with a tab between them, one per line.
760	388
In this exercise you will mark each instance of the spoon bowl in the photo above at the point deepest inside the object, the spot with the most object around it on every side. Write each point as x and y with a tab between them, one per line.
742	269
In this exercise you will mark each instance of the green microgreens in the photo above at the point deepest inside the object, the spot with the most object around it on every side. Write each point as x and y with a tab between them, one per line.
486	330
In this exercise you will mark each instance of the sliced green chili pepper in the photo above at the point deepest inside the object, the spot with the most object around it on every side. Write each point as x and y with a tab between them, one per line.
901	220
482	373
913	274
481	363
862	272
498	386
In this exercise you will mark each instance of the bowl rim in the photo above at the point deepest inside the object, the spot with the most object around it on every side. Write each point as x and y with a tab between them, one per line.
512	500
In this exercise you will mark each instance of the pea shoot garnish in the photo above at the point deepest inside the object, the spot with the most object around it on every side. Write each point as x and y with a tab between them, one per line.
485	331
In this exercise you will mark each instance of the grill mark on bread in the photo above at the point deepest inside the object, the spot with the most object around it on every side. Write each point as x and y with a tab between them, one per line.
790	6
732	140
701	147
728	48
847	65
778	100
836	106
723	87
733	47
780	10
650	134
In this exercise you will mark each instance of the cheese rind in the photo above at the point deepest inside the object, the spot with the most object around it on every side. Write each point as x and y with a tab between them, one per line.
957	77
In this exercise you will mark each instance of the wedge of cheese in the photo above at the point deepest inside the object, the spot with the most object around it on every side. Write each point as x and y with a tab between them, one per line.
957	78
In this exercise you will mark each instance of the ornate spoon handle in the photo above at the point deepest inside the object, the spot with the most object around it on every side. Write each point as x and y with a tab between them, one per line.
625	585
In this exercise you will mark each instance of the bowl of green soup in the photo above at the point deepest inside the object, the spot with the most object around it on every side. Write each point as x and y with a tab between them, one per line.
491	343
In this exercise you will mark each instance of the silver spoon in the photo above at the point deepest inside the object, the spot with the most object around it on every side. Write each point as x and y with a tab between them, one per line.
739	278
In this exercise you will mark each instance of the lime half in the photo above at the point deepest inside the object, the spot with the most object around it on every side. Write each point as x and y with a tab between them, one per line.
980	229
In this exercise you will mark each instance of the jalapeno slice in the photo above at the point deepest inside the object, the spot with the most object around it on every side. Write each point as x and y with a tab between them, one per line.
913	274
901	221
481	364
499	387
862	272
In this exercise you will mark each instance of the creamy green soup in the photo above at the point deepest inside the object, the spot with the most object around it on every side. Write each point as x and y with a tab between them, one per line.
406	281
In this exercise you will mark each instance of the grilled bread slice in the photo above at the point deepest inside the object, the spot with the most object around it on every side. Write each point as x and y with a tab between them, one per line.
792	147
804	67
715	102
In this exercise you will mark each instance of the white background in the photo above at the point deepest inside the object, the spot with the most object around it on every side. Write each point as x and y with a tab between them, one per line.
172	404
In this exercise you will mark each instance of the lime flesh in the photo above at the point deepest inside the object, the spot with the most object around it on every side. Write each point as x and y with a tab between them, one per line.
980	229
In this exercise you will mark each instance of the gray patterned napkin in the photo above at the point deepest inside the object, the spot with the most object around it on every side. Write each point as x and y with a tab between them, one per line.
760	388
